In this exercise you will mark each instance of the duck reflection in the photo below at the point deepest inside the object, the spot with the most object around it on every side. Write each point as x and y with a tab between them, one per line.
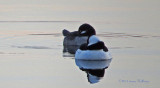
95	69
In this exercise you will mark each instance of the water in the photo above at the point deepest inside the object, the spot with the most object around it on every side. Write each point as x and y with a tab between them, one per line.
32	57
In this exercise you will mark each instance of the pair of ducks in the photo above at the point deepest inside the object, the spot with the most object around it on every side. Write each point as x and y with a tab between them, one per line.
91	47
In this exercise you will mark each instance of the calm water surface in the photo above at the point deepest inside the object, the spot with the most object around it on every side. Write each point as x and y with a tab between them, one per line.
31	56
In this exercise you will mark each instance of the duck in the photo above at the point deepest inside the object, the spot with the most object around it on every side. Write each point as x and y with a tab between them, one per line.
94	49
78	37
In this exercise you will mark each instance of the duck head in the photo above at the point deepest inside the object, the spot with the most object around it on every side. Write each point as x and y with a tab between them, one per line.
94	43
86	30
93	40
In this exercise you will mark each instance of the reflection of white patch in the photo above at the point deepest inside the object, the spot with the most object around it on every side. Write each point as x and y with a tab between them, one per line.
92	55
93	39
93	79
83	32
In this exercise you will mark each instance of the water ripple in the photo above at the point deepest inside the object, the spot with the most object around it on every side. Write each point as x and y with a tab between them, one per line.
11	53
33	47
54	34
125	35
121	47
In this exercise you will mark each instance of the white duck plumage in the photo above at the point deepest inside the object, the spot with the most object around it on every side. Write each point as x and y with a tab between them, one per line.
95	54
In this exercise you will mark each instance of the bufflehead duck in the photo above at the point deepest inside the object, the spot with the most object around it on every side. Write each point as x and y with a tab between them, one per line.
78	37
94	49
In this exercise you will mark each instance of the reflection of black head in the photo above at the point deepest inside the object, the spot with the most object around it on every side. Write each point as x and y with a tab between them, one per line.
95	72
87	29
98	73
95	75
95	69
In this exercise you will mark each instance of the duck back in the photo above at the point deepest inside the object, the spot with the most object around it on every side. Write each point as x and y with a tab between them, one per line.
92	55
75	40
